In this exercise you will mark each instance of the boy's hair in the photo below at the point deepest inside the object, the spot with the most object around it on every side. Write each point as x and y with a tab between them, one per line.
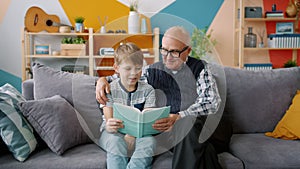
129	52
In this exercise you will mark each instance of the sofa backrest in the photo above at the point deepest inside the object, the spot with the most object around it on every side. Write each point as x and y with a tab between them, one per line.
257	100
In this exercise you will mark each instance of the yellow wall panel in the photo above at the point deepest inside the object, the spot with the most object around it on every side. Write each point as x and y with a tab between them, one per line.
91	9
3	7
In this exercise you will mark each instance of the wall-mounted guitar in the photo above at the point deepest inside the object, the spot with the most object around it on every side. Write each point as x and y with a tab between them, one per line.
37	20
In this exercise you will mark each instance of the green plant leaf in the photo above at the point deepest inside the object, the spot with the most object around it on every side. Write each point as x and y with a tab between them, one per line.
201	42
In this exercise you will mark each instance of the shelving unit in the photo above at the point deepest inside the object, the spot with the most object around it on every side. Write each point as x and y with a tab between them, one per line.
101	65
254	55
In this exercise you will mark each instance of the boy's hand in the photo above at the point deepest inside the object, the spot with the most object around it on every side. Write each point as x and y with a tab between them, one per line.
112	125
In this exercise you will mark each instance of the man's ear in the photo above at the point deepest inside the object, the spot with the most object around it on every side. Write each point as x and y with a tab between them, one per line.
116	67
189	50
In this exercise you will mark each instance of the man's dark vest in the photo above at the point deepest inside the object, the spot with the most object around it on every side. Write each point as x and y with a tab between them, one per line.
176	90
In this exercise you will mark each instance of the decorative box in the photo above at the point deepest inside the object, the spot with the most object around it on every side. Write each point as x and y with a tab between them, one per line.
253	12
73	49
79	69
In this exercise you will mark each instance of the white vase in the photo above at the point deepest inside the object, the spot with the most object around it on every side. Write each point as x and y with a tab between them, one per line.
133	22
79	27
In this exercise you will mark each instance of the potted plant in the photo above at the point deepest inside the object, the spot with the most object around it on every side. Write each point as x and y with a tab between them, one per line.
79	23
202	43
73	46
290	63
133	5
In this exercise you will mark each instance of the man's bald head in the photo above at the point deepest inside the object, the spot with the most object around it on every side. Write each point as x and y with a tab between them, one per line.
179	33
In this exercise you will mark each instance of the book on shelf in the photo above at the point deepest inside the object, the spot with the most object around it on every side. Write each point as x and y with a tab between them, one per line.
274	14
278	11
284	40
258	66
146	52
139	123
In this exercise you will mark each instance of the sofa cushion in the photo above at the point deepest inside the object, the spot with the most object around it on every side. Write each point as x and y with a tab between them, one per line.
87	156
77	89
227	160
55	120
16	132
27	89
288	127
259	97
260	151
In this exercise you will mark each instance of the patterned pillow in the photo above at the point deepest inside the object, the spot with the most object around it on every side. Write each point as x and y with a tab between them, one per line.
15	131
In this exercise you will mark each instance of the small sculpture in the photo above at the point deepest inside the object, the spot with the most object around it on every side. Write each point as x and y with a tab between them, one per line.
293	8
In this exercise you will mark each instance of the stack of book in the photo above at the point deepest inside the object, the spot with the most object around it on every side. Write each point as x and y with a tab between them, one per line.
274	14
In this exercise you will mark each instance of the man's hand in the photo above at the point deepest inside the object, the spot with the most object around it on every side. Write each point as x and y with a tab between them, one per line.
165	124
112	125
102	88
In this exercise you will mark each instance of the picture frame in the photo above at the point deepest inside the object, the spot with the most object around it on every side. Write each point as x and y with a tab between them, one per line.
42	49
284	28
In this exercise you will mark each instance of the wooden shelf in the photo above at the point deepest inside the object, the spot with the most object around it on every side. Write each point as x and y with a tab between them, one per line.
109	56
123	34
255	49
57	34
268	19
54	56
243	54
95	41
104	68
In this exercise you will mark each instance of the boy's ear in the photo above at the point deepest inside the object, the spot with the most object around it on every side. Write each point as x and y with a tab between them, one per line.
116	67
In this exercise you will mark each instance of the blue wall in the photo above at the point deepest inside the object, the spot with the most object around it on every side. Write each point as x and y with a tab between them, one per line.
199	12
9	78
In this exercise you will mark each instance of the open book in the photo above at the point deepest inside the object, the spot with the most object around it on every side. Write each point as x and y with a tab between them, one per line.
137	123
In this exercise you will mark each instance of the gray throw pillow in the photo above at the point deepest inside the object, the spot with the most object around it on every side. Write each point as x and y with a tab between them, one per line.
257	100
77	89
55	120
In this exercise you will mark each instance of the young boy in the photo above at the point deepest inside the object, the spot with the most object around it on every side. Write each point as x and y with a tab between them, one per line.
127	90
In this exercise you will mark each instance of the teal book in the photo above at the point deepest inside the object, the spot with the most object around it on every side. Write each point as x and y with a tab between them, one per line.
139	123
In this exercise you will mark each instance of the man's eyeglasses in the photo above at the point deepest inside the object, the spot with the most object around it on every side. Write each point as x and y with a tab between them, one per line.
173	53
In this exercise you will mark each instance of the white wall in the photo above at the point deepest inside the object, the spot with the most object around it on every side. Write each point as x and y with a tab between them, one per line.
11	26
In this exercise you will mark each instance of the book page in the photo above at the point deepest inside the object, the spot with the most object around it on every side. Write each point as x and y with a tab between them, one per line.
138	123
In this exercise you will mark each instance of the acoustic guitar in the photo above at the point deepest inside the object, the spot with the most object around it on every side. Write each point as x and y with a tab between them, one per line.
37	20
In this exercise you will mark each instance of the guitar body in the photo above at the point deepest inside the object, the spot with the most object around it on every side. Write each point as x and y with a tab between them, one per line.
37	20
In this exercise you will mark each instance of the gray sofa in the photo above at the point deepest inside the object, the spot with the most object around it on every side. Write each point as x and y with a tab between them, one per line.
254	102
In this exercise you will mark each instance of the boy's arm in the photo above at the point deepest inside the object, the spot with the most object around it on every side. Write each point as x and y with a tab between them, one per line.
111	125
108	112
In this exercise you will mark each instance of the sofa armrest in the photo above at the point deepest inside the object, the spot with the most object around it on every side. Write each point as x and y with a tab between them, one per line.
27	89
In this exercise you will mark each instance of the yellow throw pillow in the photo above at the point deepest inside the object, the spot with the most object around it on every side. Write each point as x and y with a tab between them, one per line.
288	127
